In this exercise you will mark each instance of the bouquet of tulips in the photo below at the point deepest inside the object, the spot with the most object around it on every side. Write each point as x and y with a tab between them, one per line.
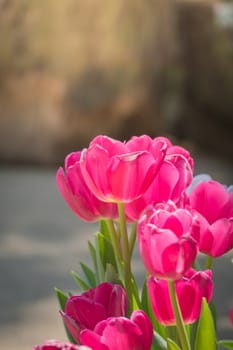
143	192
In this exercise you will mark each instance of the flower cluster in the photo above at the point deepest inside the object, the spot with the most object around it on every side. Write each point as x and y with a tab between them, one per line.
143	191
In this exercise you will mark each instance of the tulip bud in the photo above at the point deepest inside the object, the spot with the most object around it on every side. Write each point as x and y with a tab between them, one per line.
174	175
231	316
190	290
116	171
78	196
213	204
167	240
117	333
96	304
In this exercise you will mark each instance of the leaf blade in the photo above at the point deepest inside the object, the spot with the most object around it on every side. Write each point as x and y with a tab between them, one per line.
172	345
205	336
227	344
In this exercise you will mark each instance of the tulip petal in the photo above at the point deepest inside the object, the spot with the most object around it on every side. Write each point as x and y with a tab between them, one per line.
93	340
143	322
190	289
72	326
222	233
160	299
209	198
78	204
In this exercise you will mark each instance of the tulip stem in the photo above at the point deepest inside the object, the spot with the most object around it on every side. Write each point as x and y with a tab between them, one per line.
208	262
132	238
170	332
125	253
178	317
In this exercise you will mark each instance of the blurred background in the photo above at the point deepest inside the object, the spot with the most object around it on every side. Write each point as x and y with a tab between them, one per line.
72	69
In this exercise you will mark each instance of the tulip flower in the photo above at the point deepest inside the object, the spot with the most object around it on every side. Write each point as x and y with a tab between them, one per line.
214	204
167	239
120	333
121	172
231	316
80	199
57	345
89	308
197	179
190	290
173	177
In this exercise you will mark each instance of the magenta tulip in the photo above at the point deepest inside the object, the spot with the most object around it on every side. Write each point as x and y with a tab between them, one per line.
80	199
116	171
190	290
97	304
231	316
120	333
214	204
173	177
167	240
57	345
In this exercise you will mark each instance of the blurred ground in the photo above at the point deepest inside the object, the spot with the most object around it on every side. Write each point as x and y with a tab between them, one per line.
41	241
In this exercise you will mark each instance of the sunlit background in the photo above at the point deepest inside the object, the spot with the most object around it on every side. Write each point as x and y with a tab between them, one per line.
72	69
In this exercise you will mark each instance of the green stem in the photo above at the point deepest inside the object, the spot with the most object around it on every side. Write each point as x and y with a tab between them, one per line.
178	317
208	262
132	238
170	332
125	253
116	245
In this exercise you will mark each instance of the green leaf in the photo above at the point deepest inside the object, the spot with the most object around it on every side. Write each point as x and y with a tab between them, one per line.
104	229
159	343
136	299
99	259
171	345
89	274
214	312
193	332
205	336
111	274
92	251
106	250
82	284
62	297
144	298
227	344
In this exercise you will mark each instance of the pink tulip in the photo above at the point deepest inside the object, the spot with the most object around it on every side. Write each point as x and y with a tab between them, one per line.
197	179
97	304
80	199
214	204
212	200
231	316
57	345
116	171
120	333
190	290
167	240
173	177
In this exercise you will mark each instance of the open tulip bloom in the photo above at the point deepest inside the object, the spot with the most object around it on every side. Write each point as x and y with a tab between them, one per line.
143	192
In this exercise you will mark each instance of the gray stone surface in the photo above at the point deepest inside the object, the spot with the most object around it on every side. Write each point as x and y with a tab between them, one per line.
41	241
